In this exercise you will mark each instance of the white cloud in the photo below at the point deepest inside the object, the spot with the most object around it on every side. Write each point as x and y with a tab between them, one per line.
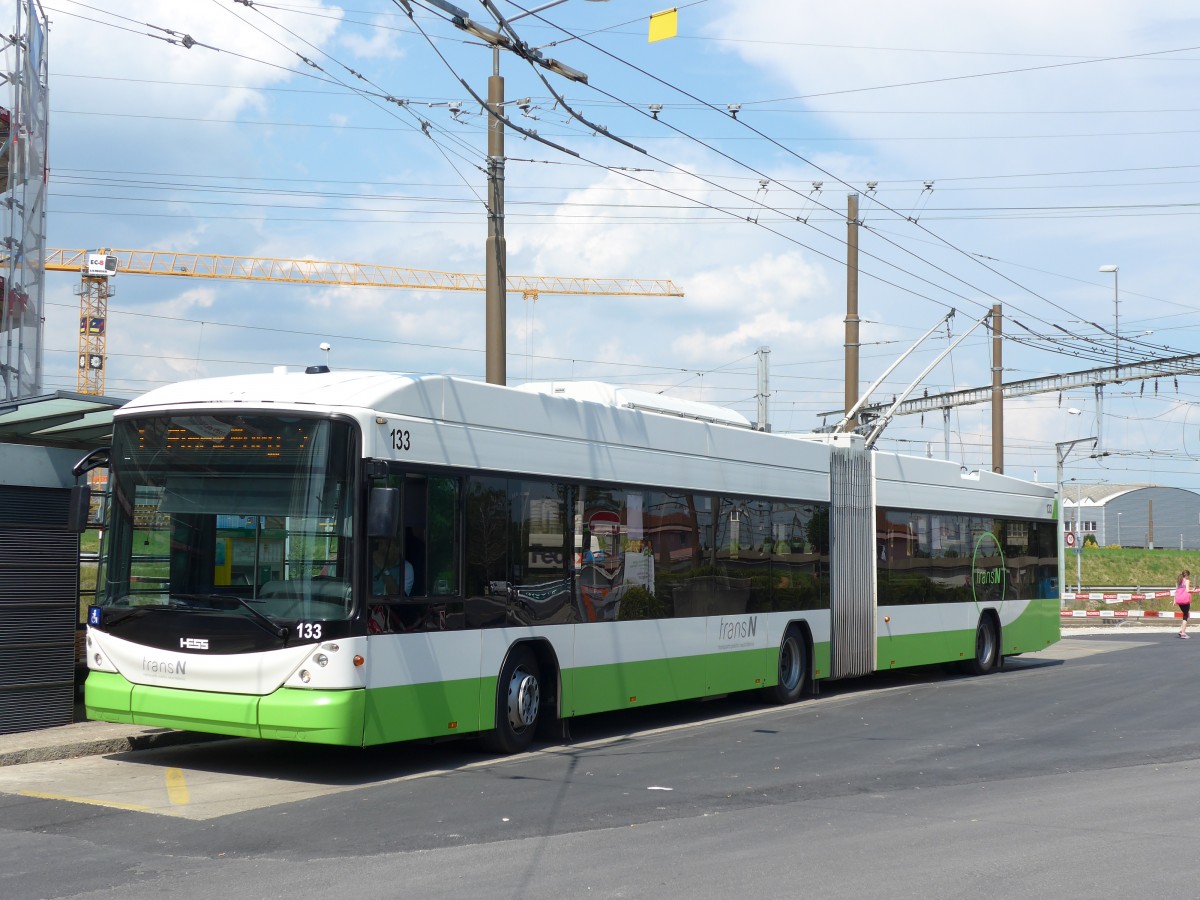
374	188
378	44
892	72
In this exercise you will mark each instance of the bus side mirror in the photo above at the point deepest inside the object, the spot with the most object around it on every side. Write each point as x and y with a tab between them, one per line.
81	503
383	512
94	460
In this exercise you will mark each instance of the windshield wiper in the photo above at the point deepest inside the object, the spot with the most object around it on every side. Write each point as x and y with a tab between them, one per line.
229	601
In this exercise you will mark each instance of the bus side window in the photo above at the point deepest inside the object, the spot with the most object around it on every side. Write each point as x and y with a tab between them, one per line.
413	519
420	515
441	552
389	575
415	556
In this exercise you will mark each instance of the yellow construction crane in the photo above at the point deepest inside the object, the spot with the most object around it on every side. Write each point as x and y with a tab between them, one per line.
96	268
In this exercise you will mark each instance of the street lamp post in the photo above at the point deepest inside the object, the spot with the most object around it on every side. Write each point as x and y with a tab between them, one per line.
1078	540
1119	544
1062	451
1116	314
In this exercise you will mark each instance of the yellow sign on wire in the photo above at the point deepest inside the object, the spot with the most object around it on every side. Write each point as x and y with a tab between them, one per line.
664	25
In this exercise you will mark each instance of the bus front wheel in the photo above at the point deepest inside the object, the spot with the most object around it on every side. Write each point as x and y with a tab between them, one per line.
518	704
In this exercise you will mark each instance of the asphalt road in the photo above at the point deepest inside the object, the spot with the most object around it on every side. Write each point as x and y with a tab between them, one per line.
1071	773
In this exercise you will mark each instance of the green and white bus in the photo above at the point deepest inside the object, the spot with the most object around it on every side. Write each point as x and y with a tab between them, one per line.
359	558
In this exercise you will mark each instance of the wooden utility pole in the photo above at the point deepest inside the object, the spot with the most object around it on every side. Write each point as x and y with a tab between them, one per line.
851	348
496	253
997	392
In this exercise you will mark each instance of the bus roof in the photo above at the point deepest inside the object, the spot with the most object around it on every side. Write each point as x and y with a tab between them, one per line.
332	390
625	422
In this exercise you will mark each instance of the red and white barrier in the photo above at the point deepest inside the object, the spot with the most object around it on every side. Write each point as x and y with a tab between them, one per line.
1118	596
1120	614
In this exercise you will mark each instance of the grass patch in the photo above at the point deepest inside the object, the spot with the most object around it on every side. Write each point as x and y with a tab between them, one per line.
1123	567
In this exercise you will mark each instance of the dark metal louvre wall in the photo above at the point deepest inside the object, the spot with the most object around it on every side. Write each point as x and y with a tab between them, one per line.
33	507
852	553
39	590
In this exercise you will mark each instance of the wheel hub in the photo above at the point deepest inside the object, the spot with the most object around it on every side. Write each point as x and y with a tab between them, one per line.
524	700
789	665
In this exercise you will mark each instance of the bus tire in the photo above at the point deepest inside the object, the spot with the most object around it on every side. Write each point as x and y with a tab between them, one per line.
793	669
518	704
987	647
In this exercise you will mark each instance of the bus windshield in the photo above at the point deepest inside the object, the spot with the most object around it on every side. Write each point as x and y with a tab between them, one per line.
245	515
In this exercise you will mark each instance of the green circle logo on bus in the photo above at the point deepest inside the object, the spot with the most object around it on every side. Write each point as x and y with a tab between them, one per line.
988	578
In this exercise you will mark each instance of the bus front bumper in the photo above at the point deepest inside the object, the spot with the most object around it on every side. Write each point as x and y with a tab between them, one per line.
311	716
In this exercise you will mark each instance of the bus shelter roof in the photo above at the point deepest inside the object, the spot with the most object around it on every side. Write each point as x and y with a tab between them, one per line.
61	419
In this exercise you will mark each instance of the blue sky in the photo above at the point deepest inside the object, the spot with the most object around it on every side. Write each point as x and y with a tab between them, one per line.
1012	149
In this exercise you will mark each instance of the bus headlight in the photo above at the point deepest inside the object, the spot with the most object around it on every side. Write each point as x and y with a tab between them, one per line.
321	659
305	676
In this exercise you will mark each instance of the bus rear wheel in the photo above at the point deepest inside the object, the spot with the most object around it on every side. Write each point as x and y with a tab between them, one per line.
793	669
987	647
518	704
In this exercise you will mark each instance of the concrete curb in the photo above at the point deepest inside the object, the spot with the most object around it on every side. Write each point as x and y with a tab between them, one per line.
73	741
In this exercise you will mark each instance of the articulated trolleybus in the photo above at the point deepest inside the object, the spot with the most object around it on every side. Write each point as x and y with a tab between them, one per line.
358	558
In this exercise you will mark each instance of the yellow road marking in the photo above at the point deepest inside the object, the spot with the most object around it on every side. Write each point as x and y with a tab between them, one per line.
40	795
177	789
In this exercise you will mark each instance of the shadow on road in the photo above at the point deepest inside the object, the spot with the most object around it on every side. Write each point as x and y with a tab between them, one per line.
356	767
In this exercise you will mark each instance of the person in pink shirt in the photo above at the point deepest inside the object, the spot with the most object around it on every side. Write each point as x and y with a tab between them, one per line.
1183	599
